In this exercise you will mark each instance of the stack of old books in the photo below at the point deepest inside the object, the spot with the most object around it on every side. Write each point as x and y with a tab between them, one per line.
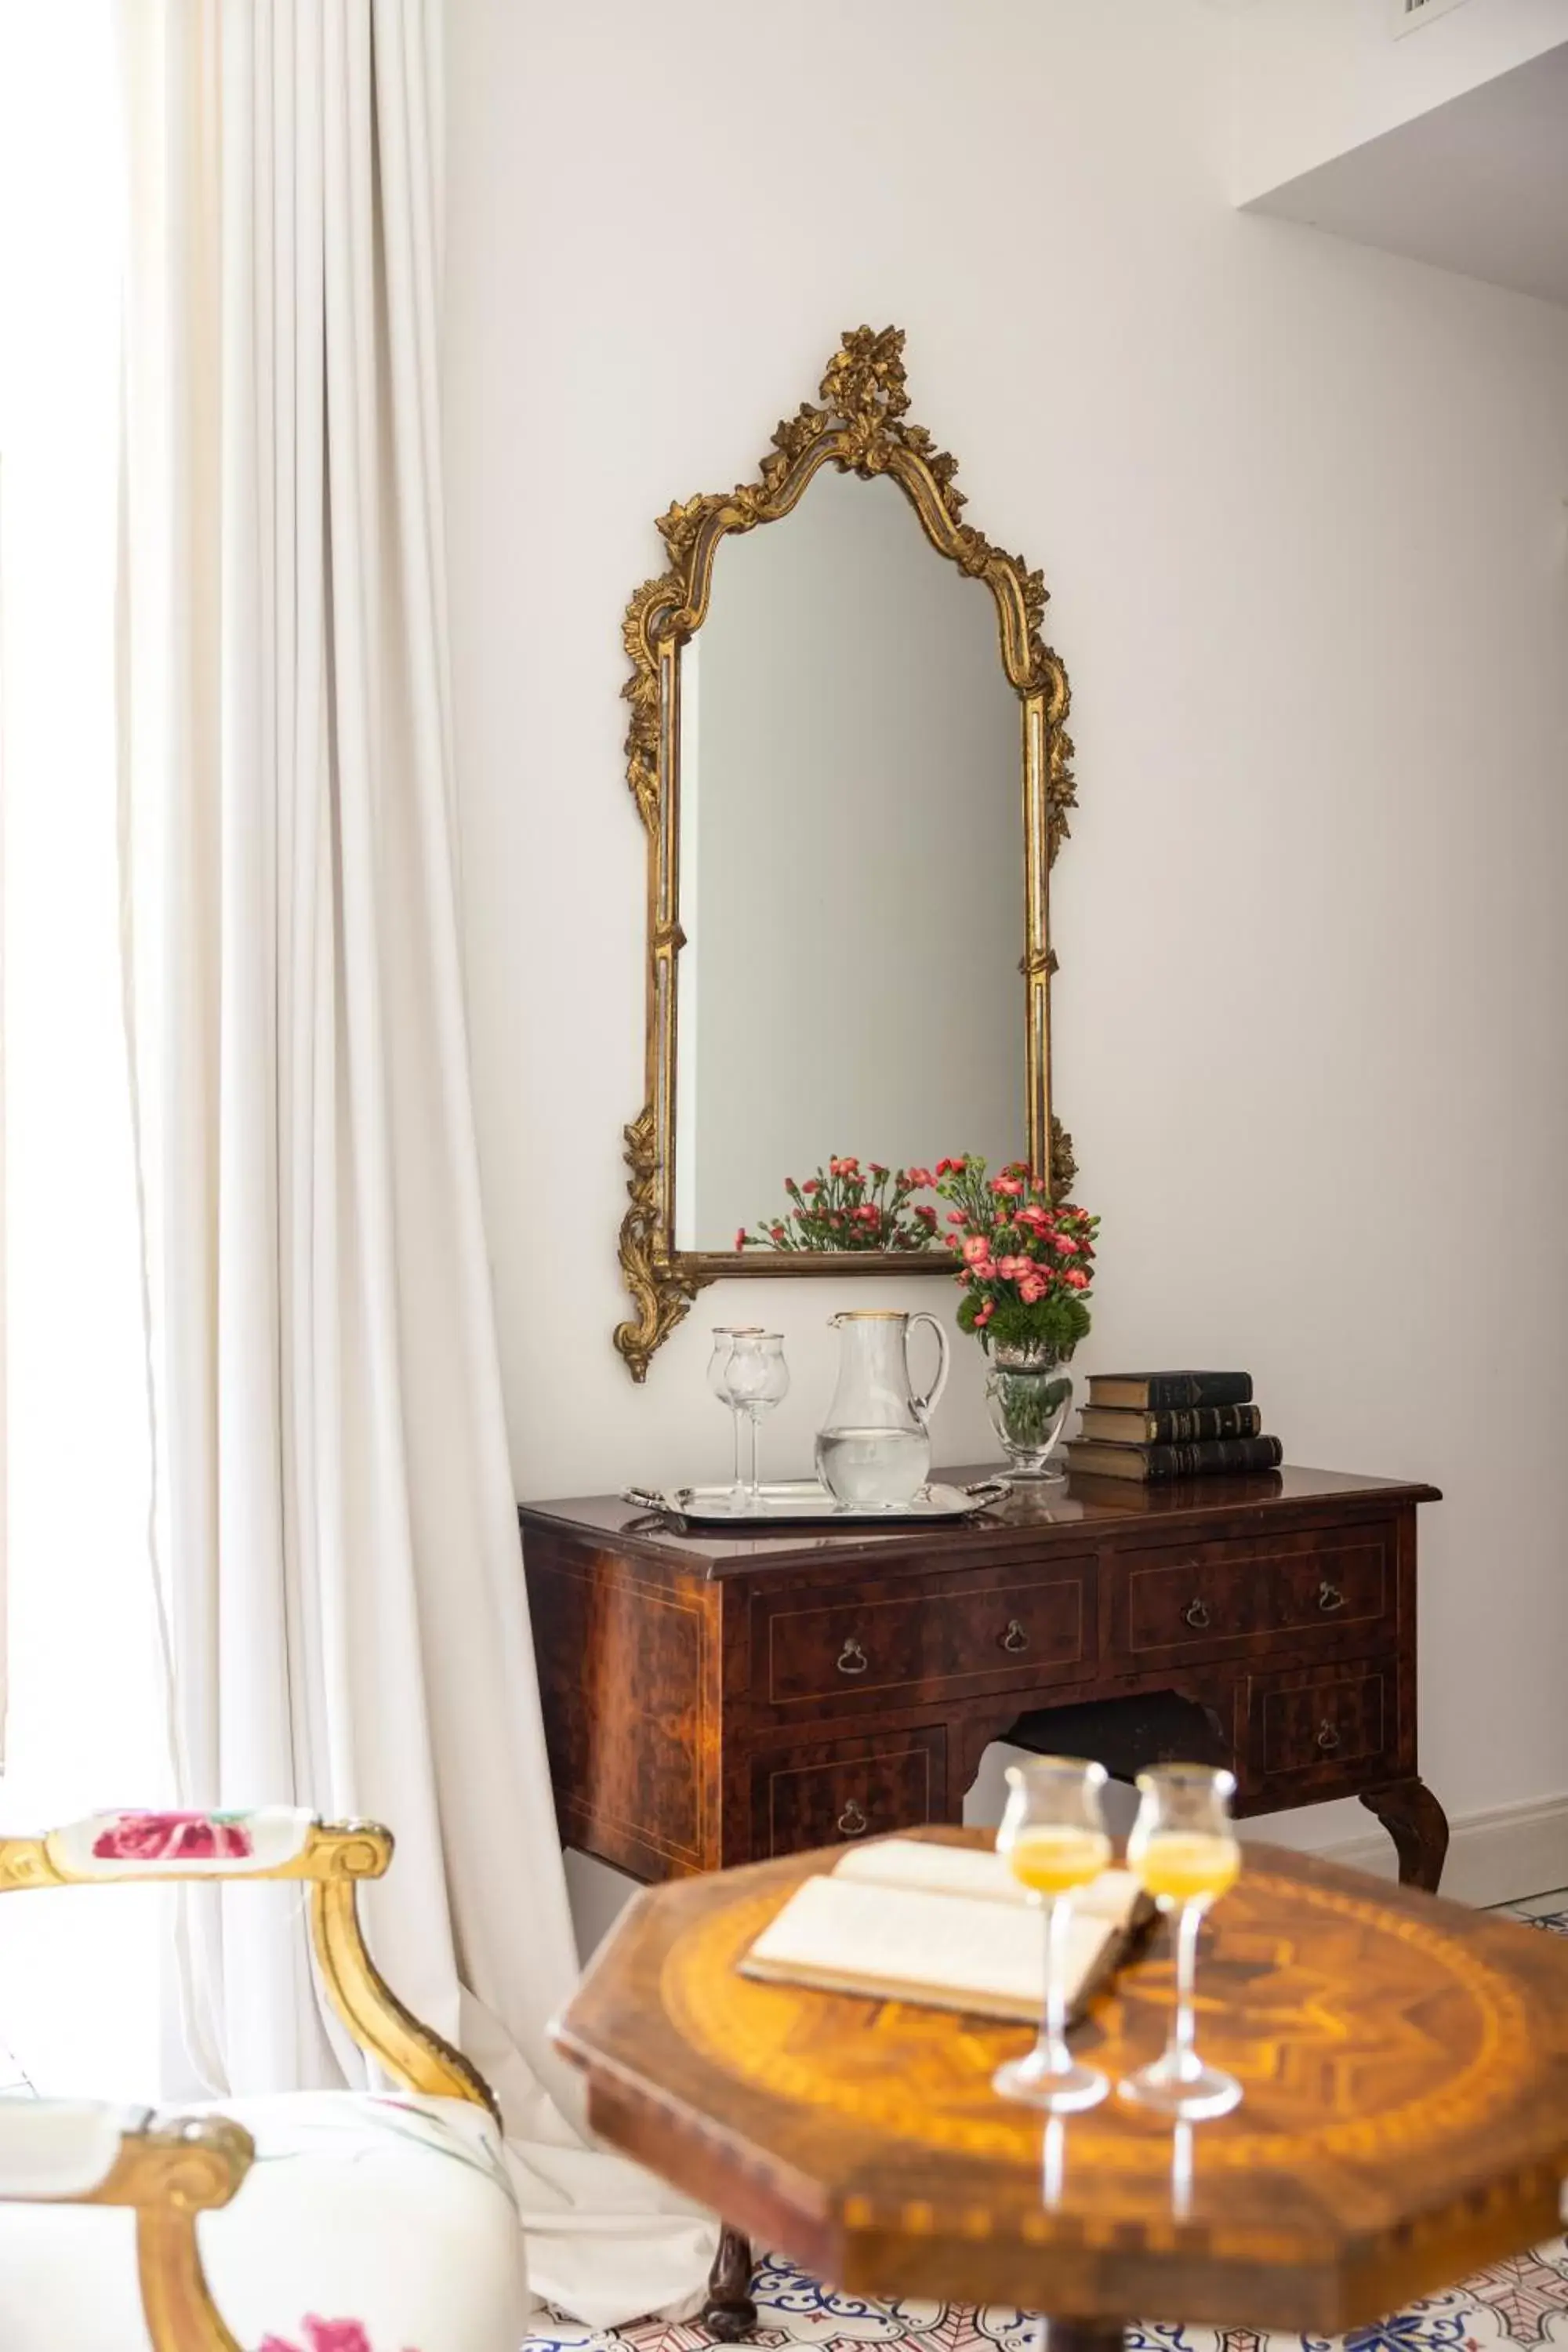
1150	1425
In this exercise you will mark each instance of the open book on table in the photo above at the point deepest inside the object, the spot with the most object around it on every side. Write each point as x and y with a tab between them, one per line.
946	1927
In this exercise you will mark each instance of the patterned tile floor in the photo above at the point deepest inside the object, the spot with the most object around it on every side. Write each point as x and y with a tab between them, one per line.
1524	2302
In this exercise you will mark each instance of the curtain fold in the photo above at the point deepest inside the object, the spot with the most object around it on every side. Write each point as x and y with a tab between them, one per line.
334	1529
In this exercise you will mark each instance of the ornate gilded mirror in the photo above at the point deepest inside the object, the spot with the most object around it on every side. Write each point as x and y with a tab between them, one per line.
852	808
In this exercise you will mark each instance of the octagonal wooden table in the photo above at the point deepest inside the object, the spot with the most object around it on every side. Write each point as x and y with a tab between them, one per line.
1404	2119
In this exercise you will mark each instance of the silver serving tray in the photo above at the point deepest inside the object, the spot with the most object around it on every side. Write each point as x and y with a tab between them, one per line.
795	1502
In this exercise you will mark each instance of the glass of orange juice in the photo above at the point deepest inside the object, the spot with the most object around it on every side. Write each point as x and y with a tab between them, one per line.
1183	1850
1053	1835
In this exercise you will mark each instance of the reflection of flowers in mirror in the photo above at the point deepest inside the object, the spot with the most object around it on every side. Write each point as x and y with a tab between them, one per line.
846	1207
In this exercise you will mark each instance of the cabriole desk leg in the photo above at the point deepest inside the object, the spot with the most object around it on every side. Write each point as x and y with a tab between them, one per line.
1418	1826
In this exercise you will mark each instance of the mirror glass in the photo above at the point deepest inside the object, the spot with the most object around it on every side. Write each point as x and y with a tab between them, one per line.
851	864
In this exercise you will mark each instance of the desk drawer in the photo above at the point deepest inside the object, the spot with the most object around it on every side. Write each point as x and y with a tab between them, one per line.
1305	1731
846	1789
1205	1598
998	1626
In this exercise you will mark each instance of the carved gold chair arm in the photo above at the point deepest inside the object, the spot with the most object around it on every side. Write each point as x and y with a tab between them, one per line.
169	2169
330	1857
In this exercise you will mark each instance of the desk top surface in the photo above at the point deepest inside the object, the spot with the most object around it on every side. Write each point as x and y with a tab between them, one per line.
1404	2119
1086	1505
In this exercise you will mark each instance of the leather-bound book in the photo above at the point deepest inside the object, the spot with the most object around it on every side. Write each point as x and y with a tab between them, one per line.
1145	1463
1119	1425
1161	1392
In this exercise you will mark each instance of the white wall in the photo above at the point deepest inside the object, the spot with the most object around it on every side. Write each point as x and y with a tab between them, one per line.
1313	78
1302	508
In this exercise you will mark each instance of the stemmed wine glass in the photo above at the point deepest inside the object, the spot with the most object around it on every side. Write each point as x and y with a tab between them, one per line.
1185	1852
724	1337
1053	1834
757	1379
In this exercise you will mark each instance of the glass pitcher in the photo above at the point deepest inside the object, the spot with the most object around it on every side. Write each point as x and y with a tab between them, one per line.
875	1452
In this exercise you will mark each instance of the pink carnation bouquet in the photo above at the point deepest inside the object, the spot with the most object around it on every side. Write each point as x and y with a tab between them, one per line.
1026	1264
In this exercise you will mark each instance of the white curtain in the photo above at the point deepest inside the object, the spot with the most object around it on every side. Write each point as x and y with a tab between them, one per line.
335	1536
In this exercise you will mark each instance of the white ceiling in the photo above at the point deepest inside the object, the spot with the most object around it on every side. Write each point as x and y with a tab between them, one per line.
1479	184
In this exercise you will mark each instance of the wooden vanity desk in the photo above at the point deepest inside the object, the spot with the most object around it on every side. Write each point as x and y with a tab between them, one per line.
718	1700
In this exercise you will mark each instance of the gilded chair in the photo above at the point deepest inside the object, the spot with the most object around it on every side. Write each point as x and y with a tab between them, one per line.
305	2222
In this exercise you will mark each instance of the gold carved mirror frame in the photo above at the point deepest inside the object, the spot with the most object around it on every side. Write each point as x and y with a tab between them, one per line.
862	427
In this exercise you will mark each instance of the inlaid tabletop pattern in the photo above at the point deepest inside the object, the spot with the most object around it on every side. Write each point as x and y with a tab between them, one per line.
1356	2034
1405	2065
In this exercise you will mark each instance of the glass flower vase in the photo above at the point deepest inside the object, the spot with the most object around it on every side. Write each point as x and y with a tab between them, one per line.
1029	1392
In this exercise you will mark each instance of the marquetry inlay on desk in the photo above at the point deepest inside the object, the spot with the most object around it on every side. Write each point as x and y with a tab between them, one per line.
711	1700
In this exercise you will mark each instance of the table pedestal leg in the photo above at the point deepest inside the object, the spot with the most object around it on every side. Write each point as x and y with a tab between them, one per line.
729	2313
1081	2336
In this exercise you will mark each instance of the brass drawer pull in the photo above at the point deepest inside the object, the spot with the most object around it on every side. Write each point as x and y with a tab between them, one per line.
852	1660
1196	1615
852	1820
1015	1638
1328	1737
1330	1598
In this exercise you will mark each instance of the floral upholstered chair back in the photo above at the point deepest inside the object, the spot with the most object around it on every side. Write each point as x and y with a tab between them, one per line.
304	2221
